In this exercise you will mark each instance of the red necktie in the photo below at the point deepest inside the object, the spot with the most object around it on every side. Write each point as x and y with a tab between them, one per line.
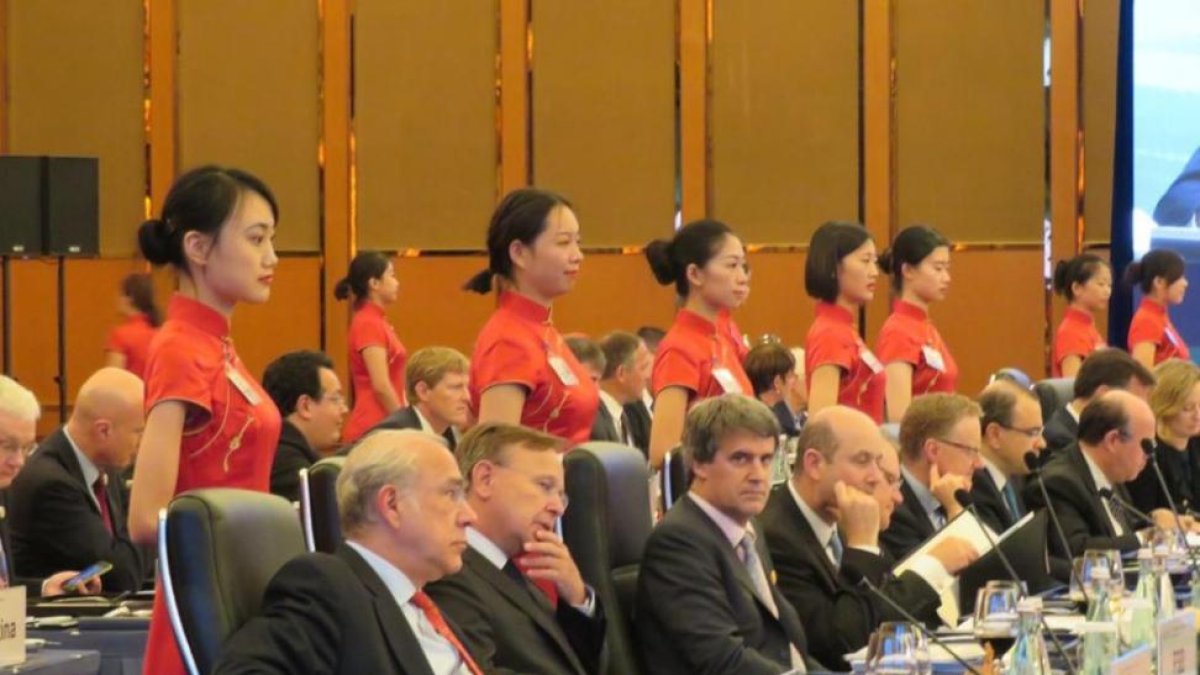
425	603
102	501
546	586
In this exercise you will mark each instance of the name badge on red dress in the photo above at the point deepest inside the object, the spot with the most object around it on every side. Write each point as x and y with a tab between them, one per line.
1172	336
869	358
242	386
934	358
563	371
728	382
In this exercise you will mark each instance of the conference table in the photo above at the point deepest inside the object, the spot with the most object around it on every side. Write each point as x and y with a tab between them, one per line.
118	644
57	662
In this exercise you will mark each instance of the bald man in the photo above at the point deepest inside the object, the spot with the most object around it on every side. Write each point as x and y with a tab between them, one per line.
822	528
65	505
1108	453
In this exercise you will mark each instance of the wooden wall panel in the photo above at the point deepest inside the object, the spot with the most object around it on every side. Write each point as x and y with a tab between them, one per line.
971	118
1099	102
985	329
248	97
34	316
75	88
604	114
784	128
290	320
425	122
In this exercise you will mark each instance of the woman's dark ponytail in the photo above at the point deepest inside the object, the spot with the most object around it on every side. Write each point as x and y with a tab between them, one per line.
520	216
658	254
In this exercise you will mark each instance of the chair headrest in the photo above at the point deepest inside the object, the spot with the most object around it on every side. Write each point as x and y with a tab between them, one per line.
610	493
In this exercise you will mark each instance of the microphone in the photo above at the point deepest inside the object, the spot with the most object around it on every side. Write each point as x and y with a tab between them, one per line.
861	579
1110	496
967	502
1035	470
1148	448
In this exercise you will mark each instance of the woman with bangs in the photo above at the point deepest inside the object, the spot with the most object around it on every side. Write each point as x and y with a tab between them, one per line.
706	263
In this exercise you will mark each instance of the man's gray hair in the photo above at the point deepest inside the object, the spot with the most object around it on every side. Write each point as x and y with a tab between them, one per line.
715	418
17	401
383	458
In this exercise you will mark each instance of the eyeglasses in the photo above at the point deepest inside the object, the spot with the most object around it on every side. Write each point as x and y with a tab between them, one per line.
1032	432
10	447
971	450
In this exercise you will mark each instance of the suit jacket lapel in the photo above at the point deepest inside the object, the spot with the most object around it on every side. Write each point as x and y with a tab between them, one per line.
540	611
808	539
914	507
401	641
732	559
59	448
1075	454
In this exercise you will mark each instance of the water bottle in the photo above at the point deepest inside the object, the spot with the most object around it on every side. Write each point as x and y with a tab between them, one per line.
1098	646
1195	588
1029	656
1165	606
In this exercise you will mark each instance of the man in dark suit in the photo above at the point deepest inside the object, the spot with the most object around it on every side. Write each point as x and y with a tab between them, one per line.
439	402
363	609
1012	429
939	453
1101	371
520	600
706	598
771	369
64	506
822	528
1108	454
621	384
19	412
307	392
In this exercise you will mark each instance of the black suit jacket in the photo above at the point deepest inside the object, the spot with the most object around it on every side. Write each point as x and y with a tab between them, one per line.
511	627
1079	507
639	418
33	585
787	418
56	524
910	525
1178	471
292	455
605	428
406	418
989	502
837	612
696	609
1060	432
326	613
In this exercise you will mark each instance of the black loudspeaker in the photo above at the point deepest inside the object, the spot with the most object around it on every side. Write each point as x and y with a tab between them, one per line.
20	205
71	201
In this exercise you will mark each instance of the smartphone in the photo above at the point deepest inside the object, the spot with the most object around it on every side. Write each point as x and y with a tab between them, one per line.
94	570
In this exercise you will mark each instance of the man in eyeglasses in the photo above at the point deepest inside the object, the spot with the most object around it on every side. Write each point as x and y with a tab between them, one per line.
19	413
939	448
1011	428
520	600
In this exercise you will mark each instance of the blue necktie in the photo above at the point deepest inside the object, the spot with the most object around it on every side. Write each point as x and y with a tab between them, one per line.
1010	499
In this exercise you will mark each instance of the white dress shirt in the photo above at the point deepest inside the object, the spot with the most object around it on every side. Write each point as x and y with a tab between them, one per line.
442	656
1103	483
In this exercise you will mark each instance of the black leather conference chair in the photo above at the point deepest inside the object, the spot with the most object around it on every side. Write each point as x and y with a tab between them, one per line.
1053	394
606	528
212	580
318	505
674	479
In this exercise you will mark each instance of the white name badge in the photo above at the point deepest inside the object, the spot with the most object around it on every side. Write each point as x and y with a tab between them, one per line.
934	358
1177	644
727	381
12	626
868	358
1173	337
563	371
242	386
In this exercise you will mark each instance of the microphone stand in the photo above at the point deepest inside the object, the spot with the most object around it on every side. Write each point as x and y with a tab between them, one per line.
964	498
1148	447
1035	470
920	626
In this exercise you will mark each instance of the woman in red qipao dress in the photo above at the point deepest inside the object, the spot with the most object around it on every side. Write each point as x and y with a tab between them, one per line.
209	423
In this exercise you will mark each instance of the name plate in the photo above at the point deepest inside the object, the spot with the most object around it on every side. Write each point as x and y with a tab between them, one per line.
12	626
1177	644
1134	662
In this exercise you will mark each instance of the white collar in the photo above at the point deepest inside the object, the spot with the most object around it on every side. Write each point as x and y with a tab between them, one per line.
998	476
397	582
90	471
486	548
1102	481
732	530
929	503
613	406
823	530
